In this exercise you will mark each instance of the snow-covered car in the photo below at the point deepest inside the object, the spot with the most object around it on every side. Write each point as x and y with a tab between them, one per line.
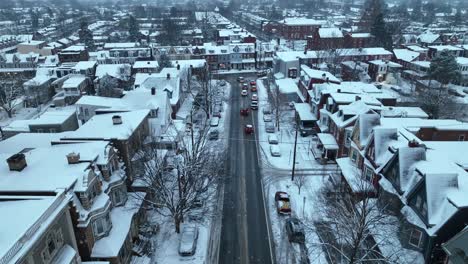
244	93
253	88
214	121
275	151
240	79
295	230
267	118
266	110
248	129
254	97
269	127
282	202
213	135
273	139
188	241
222	83
245	86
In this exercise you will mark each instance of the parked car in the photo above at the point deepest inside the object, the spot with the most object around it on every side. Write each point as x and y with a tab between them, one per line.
282	202
214	121
245	86
266	110
269	127
275	151
295	230
244	93
267	118
222	83
273	139
188	241
240	79
254	97
253	88
213	135
254	105
248	129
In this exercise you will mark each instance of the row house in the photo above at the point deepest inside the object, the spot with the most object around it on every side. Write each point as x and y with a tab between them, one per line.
355	71
128	55
242	56
72	87
234	35
37	229
173	52
217	57
404	57
326	38
423	52
428	38
434	51
38	90
104	218
358	40
16	63
73	54
422	183
35	46
294	28
120	73
310	77
127	131
380	70
145	67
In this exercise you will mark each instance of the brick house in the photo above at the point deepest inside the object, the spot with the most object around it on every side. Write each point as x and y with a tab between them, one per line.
309	77
358	40
294	28
94	181
326	38
73	54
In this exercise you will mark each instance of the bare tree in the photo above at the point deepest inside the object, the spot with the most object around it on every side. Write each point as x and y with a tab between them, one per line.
299	180
353	228
277	101
436	101
11	92
109	87
178	183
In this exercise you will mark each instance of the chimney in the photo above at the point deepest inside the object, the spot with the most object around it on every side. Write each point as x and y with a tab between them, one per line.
324	76
153	90
148	62
116	120
17	162
168	76
413	144
305	51
358	97
338	90
178	67
73	158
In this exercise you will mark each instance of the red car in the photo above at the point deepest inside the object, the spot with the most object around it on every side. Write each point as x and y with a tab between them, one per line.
244	111
283	205
253	83
248	129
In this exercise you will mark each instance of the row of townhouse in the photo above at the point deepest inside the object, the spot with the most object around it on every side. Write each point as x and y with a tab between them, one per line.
67	201
415	166
294	28
336	38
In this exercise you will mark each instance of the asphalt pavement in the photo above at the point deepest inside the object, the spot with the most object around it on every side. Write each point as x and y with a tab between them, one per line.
244	233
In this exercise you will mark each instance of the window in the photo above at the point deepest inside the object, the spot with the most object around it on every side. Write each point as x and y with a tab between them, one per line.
353	156
347	138
40	130
415	238
368	174
53	130
54	242
86	112
102	225
119	196
461	138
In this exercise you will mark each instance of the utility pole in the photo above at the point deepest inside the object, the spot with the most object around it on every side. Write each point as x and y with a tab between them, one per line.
294	155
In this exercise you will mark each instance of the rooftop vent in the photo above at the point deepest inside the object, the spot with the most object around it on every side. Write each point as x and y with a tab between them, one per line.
358	97
17	162
168	76
116	120
153	91
73	158
413	143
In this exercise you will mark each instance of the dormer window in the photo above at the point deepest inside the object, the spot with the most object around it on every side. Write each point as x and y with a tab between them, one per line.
102	226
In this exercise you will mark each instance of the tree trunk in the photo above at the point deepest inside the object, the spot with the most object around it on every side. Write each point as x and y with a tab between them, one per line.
177	222
9	113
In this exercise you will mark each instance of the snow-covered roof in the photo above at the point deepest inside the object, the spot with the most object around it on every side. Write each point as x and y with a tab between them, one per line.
84	65
74	81
161	82
75	48
19	219
119	71
417	48
424	64
305	112
454	150
317	74
145	64
287	85
367	122
124	45
361	35
445	47
47	168
462	61
328	140
428	37
330	33
352	174
102	127
405	54
195	63
121	218
302	21
21	141
403	111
